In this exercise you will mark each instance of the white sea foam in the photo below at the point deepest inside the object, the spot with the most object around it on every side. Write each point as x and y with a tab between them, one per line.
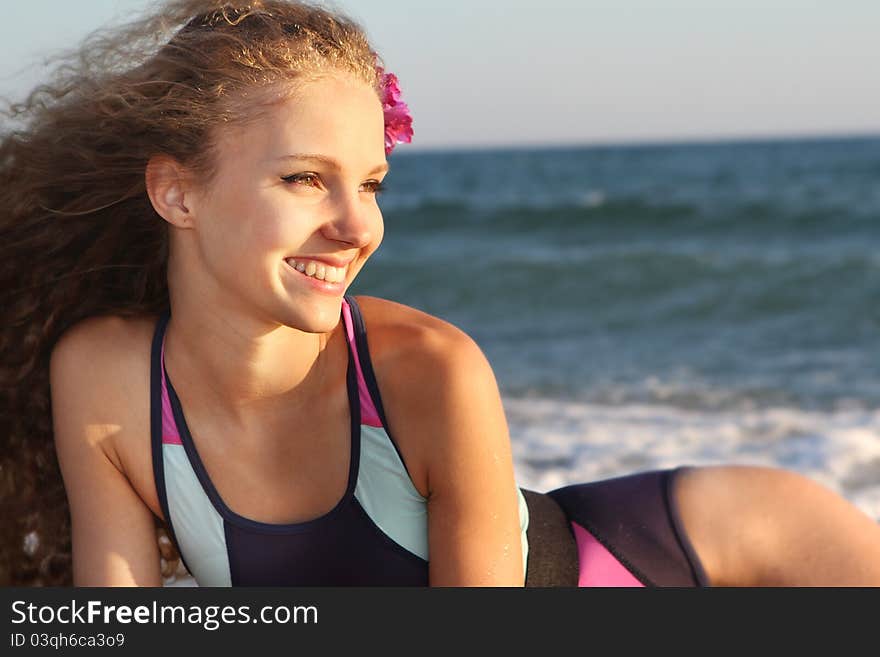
558	443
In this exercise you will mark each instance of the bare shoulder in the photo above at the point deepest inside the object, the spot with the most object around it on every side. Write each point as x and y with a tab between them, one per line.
104	355
405	339
102	333
433	379
100	382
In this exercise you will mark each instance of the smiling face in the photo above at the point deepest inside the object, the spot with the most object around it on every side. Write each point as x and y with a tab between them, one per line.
292	200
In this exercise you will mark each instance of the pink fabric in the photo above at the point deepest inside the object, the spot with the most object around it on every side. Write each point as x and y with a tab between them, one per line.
170	434
597	565
369	415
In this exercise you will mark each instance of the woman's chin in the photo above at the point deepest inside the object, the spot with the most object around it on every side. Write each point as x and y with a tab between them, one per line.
315	316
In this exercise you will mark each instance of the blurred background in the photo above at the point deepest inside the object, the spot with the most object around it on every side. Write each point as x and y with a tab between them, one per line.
658	220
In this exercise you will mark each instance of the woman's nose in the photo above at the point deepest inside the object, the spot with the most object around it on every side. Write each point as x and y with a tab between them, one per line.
354	221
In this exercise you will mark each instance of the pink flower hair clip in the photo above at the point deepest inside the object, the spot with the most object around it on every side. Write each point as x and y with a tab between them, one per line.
398	120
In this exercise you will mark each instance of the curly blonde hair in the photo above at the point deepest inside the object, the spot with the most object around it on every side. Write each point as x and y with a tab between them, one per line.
78	235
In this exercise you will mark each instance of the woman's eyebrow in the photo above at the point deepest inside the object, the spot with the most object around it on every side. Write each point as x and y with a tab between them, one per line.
330	162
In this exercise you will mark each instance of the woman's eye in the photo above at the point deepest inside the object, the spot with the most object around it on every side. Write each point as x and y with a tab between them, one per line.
373	187
305	179
314	180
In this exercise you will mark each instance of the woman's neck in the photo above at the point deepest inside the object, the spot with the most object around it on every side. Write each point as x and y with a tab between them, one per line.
246	373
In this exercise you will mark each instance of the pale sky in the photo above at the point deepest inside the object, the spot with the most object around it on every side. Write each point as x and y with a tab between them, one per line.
507	72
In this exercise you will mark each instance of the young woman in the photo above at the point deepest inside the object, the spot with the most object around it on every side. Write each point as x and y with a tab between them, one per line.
181	219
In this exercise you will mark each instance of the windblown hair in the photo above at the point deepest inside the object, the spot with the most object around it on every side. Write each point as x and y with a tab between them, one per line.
78	234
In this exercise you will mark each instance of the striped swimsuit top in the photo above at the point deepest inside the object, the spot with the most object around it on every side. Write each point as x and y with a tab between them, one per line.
376	535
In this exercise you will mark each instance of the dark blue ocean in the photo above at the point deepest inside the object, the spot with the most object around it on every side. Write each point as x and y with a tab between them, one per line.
644	306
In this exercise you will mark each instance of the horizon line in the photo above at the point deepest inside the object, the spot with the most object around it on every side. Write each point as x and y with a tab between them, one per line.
698	140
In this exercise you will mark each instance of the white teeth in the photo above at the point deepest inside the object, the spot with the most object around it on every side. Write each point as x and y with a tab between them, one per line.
319	271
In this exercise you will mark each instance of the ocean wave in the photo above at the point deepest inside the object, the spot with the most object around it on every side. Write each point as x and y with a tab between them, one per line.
556	443
676	281
625	218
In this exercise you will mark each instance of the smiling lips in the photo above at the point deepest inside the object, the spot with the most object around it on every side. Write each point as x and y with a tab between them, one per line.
319	270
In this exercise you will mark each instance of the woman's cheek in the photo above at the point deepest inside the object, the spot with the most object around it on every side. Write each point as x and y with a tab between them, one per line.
264	235
379	231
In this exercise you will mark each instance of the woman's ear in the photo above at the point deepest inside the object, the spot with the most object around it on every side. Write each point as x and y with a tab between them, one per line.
168	186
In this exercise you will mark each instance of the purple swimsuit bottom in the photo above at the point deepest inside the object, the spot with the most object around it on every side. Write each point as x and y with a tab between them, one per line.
615	532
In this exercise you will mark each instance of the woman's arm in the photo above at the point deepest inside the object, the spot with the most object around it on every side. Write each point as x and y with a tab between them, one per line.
443	398
113	531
